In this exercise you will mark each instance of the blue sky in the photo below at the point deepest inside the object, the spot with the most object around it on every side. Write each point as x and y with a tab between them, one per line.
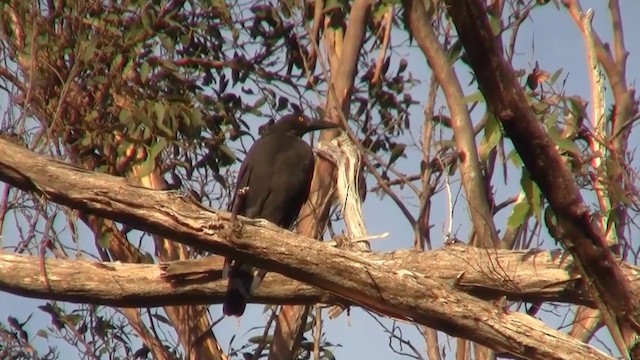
557	44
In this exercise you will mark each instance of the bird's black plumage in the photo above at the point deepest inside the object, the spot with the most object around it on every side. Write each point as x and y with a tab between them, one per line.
276	176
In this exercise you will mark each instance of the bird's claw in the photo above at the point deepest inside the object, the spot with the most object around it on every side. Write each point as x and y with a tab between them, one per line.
266	224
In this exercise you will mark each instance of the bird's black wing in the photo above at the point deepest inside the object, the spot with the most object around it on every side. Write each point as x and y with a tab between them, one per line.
241	276
289	184
277	171
242	181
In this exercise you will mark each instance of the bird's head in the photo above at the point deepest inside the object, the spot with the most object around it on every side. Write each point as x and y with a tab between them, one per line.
299	125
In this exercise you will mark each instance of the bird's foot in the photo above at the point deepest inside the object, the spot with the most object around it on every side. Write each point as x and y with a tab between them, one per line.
266	224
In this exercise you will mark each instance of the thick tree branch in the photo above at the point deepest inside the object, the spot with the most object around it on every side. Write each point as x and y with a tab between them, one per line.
523	276
575	226
136	285
391	291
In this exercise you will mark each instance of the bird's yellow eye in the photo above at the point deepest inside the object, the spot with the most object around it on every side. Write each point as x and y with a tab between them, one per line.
301	118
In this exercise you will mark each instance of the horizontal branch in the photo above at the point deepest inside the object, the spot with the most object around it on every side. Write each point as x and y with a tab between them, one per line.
137	285
390	290
523	276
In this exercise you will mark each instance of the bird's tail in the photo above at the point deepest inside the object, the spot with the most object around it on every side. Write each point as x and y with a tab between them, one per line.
238	290
242	283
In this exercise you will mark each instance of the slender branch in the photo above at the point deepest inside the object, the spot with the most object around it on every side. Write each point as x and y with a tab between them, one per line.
471	173
588	321
386	24
621	53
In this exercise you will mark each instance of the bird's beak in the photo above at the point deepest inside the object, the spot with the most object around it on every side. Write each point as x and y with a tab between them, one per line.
322	124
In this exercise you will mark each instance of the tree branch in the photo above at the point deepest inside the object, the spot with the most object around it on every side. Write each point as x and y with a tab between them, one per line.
523	276
574	227
419	24
392	291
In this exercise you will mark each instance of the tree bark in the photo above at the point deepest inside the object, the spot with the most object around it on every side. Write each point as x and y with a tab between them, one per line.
391	291
523	276
574	226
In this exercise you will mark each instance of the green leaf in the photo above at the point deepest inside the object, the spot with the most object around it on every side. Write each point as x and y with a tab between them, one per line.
454	51
331	5
514	157
309	325
397	150
116	60
89	52
532	194
261	339
327	354
540	107
147	21
555	76
578	106
73	319
125	116
568	145
167	42
228	152
169	66
196	118
160	110
165	129
157	148
144	71
475	97
491	138
103	242
260	102
494	22
519	215
146	167
161	318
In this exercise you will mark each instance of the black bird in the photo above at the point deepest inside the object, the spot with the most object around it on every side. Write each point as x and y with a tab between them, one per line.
273	184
